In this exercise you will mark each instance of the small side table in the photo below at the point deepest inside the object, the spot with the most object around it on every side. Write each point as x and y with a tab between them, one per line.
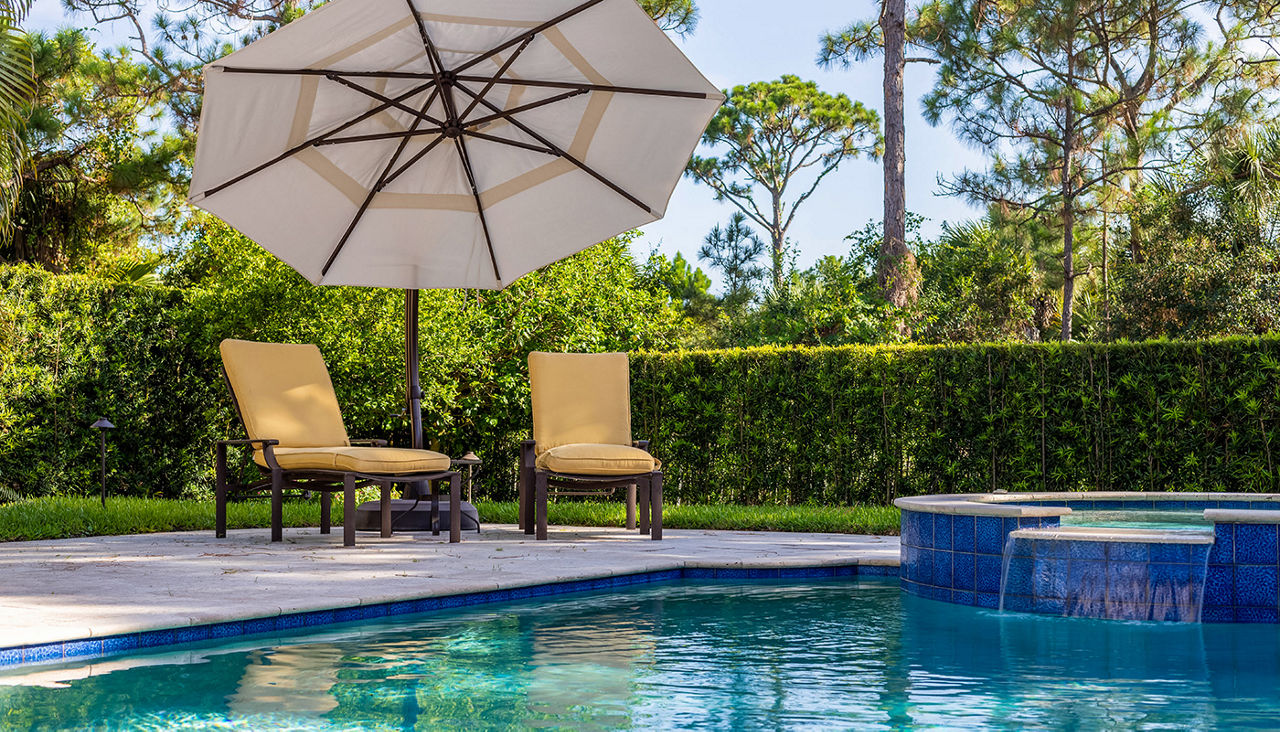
470	462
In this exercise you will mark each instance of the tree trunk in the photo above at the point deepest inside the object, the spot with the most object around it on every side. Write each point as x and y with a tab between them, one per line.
778	239
898	274
1068	226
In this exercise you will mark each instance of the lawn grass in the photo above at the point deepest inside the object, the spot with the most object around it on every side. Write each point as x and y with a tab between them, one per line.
58	518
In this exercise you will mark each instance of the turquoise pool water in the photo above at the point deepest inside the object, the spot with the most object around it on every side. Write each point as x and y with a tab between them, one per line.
1140	519
828	654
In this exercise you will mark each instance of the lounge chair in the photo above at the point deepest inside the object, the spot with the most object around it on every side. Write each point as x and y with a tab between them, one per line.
582	443
290	412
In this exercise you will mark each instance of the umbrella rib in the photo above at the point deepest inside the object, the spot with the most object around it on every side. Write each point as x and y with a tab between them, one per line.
489	86
466	77
374	190
314	140
527	107
562	153
475	191
529	34
513	143
386	100
381	136
591	87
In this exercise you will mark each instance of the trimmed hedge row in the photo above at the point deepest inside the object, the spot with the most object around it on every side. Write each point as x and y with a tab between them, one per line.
868	424
761	426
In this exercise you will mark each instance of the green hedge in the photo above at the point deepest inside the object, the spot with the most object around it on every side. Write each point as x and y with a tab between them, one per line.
762	426
868	424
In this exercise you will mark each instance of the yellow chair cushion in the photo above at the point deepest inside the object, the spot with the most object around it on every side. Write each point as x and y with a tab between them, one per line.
580	398
375	460
596	459
284	393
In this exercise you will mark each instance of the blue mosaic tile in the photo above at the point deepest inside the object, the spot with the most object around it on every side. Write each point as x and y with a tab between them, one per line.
290	621
938	593
1017	580
1223	551
1262	505
942	569
1219	586
1049	606
1168	574
259	625
964	533
942	525
1128	582
1108	505
1052	549
42	653
964	597
1257	615
1049	577
988	600
80	649
1018	603
1086	578
1087	550
120	643
878	570
1255	586
1007	525
1019	547
704	573
153	638
1031	522
229	629
1167	614
924	574
1173	505
10	656
1171	553
963	571
908	536
192	634
1256	544
988	573
1128	611
1127	552
990	535
1080	505
909	562
848	570
1217	614
1234	505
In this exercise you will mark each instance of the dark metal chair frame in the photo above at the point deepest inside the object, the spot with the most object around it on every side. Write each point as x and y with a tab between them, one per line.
277	480
536	486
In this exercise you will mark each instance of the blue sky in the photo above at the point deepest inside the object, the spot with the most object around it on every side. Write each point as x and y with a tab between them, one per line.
740	41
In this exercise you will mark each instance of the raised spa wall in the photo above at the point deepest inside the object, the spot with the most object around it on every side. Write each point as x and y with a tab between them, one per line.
953	550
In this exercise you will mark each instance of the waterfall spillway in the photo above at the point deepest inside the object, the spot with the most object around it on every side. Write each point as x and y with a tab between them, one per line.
1116	574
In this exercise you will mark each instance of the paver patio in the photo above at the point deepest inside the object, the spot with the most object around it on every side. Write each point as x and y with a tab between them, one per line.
85	588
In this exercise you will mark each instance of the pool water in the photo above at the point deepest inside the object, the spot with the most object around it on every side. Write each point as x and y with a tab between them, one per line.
1140	519
834	654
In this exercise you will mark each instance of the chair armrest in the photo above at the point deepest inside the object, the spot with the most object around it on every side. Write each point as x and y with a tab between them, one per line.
369	443
642	444
268	454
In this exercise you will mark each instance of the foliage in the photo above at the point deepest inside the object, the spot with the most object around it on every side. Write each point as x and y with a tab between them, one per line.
769	132
74	348
863	425
735	251
100	176
689	288
1074	97
16	91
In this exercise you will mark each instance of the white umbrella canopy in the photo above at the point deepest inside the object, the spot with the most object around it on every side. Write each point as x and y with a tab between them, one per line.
447	143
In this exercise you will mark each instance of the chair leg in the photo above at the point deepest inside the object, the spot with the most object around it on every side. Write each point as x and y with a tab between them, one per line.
643	501
435	508
655	503
384	507
528	514
455	510
326	512
348	510
631	507
277	505
220	493
522	486
540	510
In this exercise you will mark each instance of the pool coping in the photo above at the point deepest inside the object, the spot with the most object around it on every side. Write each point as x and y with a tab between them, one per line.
1117	535
1006	504
41	654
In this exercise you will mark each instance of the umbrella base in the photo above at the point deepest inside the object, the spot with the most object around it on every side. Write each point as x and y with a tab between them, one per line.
406	517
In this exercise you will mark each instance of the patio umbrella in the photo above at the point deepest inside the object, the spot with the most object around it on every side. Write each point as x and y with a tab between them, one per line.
447	143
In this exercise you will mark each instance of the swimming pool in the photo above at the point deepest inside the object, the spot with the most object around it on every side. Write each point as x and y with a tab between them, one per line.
777	655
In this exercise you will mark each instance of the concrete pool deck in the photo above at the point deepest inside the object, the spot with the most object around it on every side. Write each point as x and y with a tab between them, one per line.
75	589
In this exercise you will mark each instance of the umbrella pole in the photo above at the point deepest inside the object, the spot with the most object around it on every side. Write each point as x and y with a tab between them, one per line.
414	387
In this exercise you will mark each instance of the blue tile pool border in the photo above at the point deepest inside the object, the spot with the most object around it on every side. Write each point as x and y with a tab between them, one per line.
112	645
